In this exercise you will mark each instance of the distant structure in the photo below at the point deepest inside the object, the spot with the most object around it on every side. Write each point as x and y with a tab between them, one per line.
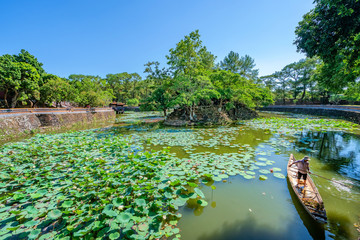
118	107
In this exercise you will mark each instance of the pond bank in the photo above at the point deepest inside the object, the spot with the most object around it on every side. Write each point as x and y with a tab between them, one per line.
350	113
209	115
20	125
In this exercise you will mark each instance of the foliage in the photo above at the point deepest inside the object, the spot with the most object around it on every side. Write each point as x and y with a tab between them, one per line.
192	80
55	89
332	31
294	80
234	88
190	57
162	95
244	65
18	78
133	102
90	90
67	185
353	92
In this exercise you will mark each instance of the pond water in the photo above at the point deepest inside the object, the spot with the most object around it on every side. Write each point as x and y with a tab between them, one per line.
255	209
244	192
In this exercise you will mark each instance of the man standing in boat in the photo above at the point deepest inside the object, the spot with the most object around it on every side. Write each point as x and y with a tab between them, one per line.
303	166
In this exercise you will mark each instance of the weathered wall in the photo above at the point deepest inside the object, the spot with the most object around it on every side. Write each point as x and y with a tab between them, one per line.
23	124
350	115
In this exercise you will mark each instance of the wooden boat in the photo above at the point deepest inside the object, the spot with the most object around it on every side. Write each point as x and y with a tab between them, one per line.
309	195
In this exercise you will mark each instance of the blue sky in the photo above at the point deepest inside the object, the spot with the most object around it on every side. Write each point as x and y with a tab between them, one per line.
113	36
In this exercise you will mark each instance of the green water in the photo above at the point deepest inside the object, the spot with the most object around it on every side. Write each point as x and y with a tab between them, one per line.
254	209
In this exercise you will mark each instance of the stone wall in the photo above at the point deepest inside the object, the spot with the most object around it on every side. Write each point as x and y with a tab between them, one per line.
347	114
24	124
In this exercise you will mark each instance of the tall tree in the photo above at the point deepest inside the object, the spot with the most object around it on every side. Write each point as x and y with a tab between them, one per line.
55	89
332	31
191	62
90	90
162	96
19	80
190	57
243	65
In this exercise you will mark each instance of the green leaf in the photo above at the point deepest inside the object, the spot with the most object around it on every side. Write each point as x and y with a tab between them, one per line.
202	202
108	210
54	214
31	223
67	204
199	192
34	233
115	235
140	202
191	184
262	177
123	217
279	175
117	202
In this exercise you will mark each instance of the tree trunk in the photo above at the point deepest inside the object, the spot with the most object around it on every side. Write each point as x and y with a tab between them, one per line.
14	99
31	103
304	91
190	114
5	98
164	110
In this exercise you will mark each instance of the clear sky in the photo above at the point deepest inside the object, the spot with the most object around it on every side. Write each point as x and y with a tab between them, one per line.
113	36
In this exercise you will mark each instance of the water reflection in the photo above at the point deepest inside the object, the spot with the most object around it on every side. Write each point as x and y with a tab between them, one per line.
340	151
250	229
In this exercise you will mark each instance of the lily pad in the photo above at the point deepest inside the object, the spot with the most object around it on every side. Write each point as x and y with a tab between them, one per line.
199	192
54	214
279	175
262	177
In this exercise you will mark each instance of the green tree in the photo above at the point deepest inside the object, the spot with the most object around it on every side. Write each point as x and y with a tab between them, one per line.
90	90
19	80
190	57
332	31
235	89
243	65
191	63
160	82
55	89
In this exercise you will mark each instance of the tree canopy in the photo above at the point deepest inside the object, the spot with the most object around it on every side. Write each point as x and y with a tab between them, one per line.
192	79
331	31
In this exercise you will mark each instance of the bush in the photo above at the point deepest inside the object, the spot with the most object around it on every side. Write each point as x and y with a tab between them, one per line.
134	102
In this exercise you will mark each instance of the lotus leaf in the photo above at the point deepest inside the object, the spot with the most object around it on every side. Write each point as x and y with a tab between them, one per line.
202	203
199	192
115	235
54	214
34	233
140	202
279	175
123	217
264	171
262	177
67	204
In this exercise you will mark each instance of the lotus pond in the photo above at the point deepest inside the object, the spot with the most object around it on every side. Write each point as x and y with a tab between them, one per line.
146	181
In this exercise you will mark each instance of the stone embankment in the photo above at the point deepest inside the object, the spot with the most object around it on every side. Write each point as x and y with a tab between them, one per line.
19	124
350	113
209	115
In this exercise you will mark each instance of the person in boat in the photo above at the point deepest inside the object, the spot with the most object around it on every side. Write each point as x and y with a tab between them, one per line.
303	166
